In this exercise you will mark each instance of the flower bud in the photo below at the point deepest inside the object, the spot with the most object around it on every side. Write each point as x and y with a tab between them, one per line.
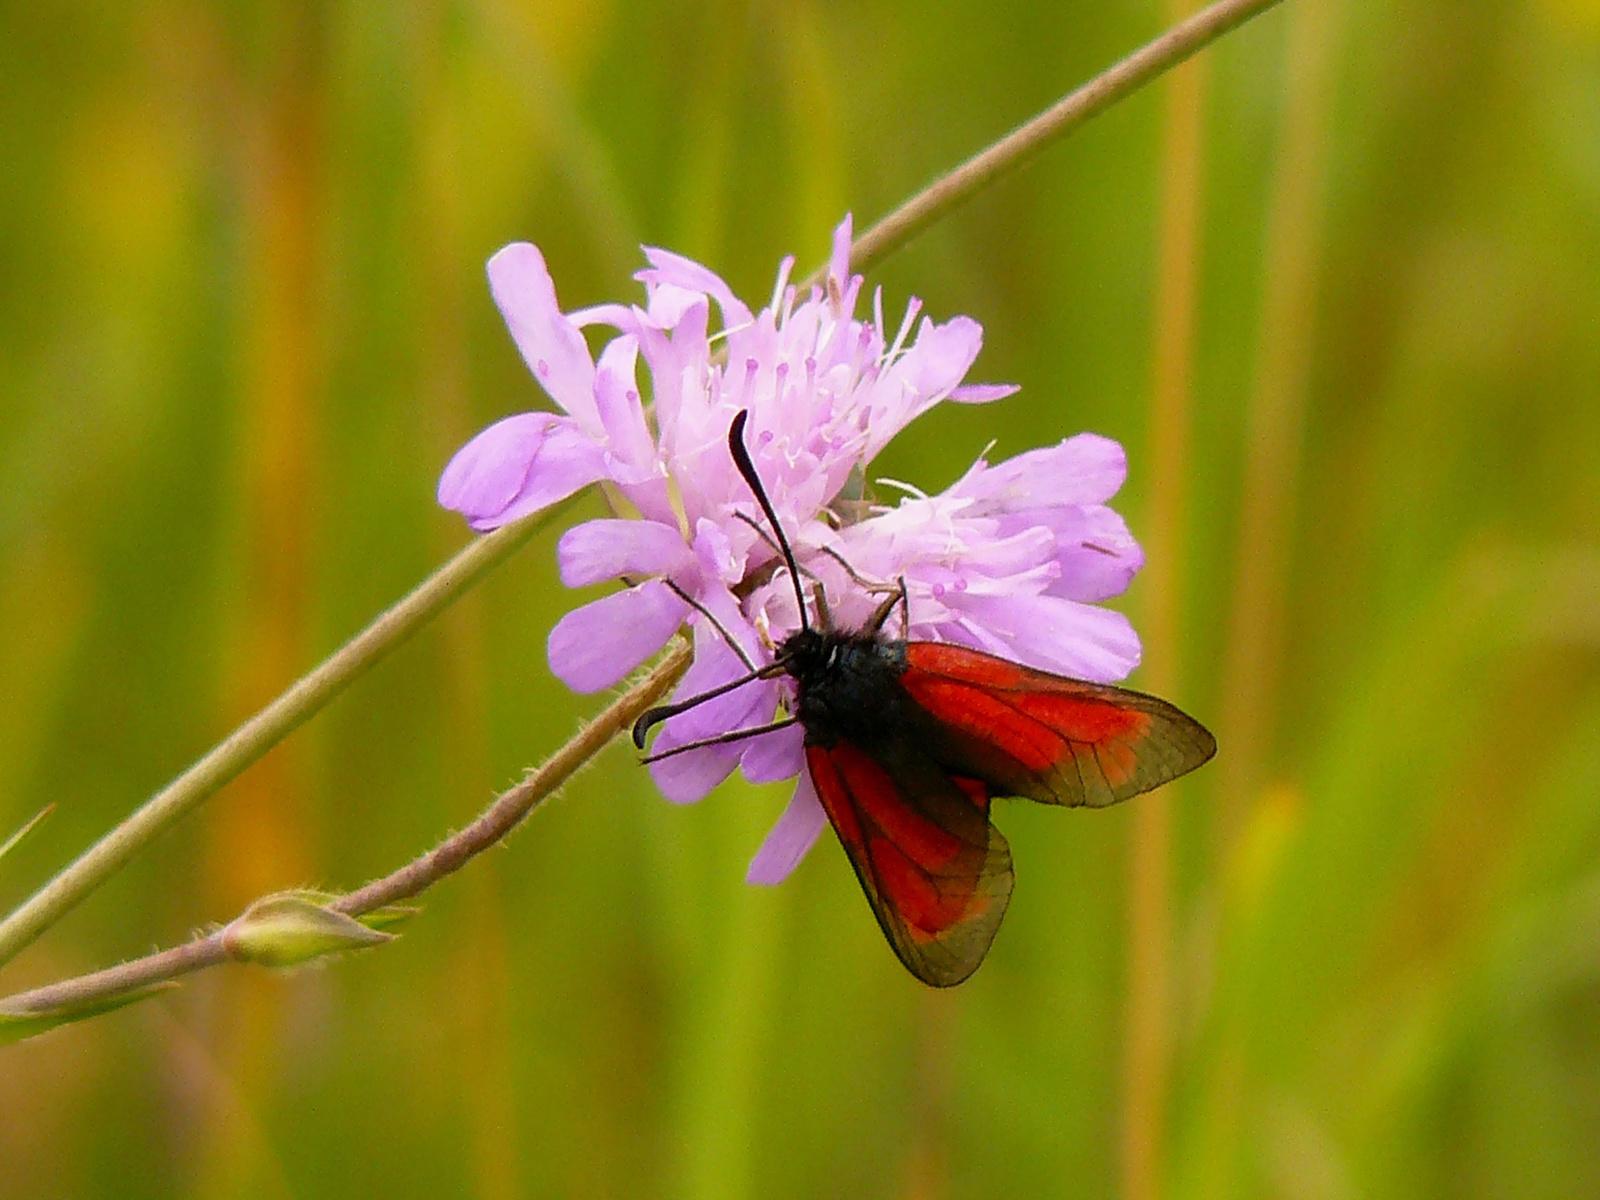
289	928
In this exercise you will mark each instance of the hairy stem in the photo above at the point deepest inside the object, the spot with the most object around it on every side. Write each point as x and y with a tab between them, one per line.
449	856
1106	89
260	733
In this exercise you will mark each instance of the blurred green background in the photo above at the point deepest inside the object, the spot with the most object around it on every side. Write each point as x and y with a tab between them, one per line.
243	324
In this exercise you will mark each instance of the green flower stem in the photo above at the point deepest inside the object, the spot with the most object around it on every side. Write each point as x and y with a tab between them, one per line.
91	994
260	733
1010	152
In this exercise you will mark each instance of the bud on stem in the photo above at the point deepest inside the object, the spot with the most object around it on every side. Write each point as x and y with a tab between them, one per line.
291	928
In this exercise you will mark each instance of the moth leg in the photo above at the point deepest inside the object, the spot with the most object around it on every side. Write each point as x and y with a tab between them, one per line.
767	538
880	615
824	615
715	624
896	598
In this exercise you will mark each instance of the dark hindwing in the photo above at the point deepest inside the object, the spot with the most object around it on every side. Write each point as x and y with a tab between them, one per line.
1046	737
936	872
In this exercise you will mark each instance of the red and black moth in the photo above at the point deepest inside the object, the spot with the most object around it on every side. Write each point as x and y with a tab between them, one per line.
908	743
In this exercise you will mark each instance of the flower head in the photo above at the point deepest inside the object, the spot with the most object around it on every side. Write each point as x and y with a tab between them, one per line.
1011	558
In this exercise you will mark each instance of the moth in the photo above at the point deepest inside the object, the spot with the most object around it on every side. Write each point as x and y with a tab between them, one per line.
908	744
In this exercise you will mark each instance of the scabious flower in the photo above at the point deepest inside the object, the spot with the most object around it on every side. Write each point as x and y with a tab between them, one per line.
1012	558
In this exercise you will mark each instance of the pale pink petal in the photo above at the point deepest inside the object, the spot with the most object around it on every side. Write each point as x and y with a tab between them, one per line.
924	375
677	271
597	645
551	344
942	355
983	393
608	548
518	466
839	260
621	412
486	474
791	838
677	362
1085	469
623	317
1061	636
773	756
1098	556
714	554
687	778
669	304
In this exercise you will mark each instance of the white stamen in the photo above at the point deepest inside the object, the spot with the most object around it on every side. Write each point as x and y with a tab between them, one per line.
913	307
784	268
910	489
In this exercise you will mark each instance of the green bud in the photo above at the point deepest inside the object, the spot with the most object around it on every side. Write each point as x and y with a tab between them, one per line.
291	928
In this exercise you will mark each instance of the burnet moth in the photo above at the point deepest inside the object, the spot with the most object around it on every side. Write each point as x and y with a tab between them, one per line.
907	744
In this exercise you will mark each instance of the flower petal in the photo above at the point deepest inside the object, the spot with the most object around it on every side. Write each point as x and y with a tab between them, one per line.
839	260
518	466
1052	634
621	412
677	271
607	548
1098	556
982	393
714	554
678	363
774	756
595	646
1085	469
927	373
486	474
687	778
551	344
791	838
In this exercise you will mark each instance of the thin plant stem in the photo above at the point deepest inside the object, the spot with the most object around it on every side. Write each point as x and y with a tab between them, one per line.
1108	88
260	733
507	811
1146	1049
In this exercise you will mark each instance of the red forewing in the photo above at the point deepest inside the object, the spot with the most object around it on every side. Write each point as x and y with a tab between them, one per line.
1051	739
937	874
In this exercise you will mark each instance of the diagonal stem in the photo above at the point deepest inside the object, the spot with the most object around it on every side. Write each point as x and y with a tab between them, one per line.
1110	87
502	816
260	733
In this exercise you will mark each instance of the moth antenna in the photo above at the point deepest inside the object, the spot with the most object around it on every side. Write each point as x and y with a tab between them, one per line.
905	611
741	459
661	712
723	739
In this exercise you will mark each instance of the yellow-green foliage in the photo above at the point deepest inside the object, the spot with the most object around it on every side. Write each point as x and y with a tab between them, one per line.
243	324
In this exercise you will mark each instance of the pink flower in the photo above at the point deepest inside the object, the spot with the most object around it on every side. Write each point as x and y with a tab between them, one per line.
1011	559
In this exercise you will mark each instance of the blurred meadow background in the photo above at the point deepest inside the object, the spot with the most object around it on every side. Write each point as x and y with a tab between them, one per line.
1336	288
